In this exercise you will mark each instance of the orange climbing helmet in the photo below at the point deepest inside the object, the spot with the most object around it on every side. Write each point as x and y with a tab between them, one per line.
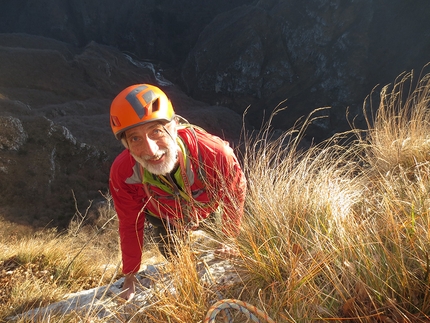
137	105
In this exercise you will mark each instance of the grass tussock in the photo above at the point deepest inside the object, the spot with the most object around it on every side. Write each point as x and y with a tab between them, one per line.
336	231
184	298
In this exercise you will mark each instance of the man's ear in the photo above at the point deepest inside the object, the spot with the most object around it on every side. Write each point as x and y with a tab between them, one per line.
175	123
124	141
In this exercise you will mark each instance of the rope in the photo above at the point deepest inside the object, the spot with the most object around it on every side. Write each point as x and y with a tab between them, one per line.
250	311
227	316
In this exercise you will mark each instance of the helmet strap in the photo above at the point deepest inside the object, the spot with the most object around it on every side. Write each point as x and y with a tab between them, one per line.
168	132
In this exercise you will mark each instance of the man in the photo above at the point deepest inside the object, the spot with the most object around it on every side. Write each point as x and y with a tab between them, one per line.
175	177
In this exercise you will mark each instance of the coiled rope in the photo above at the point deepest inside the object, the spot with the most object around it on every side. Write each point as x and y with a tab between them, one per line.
250	311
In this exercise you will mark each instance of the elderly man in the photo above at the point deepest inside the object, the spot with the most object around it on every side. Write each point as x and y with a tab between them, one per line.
174	176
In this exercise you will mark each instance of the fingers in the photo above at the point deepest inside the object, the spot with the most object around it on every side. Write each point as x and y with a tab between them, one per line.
129	287
127	295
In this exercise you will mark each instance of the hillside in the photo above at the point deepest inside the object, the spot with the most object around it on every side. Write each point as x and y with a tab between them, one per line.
332	233
62	62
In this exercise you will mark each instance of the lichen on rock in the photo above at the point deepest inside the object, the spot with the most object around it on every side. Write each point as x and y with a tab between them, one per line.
12	133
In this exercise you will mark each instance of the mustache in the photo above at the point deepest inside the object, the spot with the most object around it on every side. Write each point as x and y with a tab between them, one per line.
158	155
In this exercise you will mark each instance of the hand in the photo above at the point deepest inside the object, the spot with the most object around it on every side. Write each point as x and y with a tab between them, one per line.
129	287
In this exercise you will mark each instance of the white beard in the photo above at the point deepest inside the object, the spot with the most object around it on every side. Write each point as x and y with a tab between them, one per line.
170	160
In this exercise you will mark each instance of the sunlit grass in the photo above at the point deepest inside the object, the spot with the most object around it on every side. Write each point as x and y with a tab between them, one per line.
342	231
38	268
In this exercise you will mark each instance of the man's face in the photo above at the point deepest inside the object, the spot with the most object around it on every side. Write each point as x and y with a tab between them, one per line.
152	147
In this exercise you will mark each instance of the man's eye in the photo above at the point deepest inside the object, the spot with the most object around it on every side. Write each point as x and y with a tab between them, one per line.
157	133
134	139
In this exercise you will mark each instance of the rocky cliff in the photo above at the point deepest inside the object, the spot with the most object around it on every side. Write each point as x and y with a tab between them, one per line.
63	61
312	53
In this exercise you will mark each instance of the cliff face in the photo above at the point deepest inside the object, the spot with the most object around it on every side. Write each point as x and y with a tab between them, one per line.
63	61
153	29
313	53
250	53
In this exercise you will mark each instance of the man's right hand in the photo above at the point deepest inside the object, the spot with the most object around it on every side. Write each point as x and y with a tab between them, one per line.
129	287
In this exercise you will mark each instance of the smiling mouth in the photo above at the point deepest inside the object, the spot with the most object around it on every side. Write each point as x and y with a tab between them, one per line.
155	158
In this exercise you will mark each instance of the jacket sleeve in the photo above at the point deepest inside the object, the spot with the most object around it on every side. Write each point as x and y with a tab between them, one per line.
128	201
227	180
233	191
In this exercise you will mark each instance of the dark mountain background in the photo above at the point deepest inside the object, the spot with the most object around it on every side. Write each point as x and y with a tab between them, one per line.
63	61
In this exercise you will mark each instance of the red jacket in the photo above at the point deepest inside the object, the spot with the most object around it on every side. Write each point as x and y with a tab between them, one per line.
220	180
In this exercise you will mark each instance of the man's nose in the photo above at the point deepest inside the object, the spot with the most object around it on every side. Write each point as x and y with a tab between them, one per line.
150	147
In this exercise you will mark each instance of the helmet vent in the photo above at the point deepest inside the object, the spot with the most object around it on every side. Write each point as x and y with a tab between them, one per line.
115	121
156	105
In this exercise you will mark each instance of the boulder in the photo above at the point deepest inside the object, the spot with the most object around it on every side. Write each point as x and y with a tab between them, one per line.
12	134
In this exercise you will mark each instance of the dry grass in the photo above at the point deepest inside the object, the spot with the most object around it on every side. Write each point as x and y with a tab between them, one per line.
40	267
335	232
338	232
